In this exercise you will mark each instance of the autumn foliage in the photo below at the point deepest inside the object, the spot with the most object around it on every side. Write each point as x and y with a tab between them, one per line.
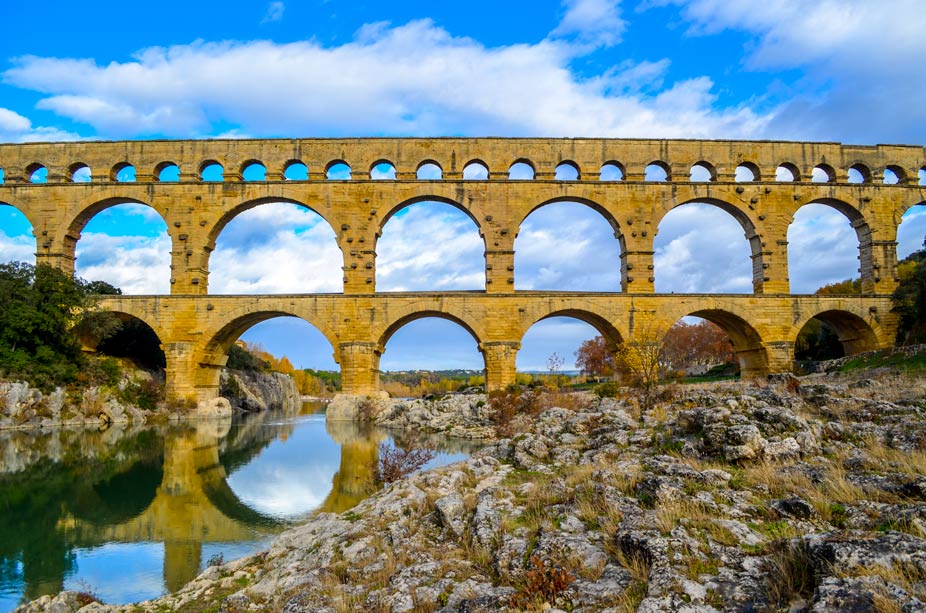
700	344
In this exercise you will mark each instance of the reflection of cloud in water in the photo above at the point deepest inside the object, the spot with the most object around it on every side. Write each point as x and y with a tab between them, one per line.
140	575
289	477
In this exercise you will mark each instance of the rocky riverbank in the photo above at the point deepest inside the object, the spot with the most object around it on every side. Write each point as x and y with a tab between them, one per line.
803	495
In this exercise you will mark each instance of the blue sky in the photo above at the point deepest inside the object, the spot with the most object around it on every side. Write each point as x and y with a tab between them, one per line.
842	70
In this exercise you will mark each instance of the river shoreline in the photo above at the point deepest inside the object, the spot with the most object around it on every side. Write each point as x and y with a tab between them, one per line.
804	495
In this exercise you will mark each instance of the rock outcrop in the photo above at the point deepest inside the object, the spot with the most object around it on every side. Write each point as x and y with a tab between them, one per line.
248	390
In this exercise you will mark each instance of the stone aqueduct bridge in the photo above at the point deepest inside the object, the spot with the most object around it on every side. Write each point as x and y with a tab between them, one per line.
196	328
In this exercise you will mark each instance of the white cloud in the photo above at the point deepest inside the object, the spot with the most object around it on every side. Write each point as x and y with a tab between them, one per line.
390	80
822	249
855	56
14	128
700	248
17	248
911	232
593	21
135	264
274	12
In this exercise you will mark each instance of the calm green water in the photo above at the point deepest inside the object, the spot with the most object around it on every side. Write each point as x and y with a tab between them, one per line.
132	514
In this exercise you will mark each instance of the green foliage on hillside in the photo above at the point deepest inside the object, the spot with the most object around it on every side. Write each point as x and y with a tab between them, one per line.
40	308
910	298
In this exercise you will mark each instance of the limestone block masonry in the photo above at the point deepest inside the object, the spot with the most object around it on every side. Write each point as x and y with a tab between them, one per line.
196	328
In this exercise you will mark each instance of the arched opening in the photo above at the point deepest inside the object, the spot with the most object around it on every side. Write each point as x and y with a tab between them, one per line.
475	171
747	344
823	173
253	171
37	173
521	171
567	245
787	173
566	344
125	244
611	171
167	172
429	353
338	171
834	334
382	171
211	172
133	340
274	248
893	175
567	171
657	172
747	172
823	247
296	171
429	245
921	173
2	177
911	231
706	246
17	241
696	348
702	172
859	173
429	171
79	173
123	173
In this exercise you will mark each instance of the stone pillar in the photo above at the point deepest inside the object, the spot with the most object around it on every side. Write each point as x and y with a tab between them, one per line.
779	356
500	363
878	266
187	277
359	367
770	254
187	380
359	269
637	272
499	271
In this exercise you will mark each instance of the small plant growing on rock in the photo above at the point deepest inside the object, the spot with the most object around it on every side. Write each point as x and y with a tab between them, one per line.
542	584
395	463
366	410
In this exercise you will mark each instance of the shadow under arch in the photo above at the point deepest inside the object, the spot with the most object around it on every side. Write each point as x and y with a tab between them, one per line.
854	333
747	344
122	496
745	222
136	339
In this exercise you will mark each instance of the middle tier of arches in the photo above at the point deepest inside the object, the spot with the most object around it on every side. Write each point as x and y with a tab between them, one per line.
358	212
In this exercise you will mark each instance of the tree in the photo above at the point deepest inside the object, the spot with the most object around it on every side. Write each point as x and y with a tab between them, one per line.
639	359
910	298
595	358
703	343
40	309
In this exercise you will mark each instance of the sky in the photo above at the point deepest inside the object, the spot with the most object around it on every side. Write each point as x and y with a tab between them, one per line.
828	70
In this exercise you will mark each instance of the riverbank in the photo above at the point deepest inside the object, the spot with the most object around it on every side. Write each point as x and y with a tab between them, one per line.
806	495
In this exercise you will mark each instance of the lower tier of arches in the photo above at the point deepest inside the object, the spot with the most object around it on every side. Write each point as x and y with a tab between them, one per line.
196	331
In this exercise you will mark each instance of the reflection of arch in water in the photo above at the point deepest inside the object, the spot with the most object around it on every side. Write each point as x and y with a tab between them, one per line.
356	476
119	498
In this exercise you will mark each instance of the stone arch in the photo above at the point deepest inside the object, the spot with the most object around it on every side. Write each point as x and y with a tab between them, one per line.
428	198
786	169
295	170
747	343
522	166
863	173
75	174
338	167
461	319
123	172
253	170
168	167
910	225
612	170
657	171
426	167
36	173
475	170
746	222
565	169
900	175
855	333
603	211
213	169
605	327
862	231
382	170
220	338
20	209
702	171
123	345
823	173
750	167
18	244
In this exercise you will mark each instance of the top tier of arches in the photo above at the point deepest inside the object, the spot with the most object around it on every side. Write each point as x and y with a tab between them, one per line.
445	159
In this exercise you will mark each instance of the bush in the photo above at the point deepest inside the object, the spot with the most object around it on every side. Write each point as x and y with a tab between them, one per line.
609	389
542	585
396	463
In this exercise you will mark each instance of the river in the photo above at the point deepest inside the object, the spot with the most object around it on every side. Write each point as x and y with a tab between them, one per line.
129	514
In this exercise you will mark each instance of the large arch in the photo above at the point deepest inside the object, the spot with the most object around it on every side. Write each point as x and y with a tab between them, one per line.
754	268
601	325
547	258
145	270
911	230
461	319
863	251
435	253
747	343
137	339
854	332
291	280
